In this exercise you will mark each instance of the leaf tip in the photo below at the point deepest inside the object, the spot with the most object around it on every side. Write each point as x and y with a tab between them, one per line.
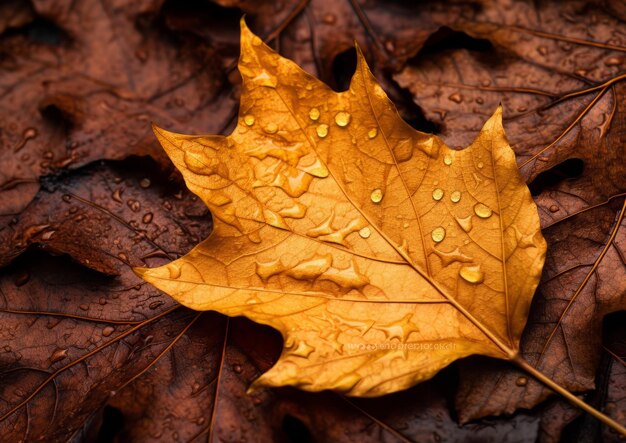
495	121
244	26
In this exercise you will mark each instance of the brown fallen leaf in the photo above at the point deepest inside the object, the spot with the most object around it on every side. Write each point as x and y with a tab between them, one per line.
562	84
319	34
63	106
411	415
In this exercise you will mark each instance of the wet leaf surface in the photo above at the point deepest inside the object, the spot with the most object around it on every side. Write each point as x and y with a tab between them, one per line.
67	295
562	85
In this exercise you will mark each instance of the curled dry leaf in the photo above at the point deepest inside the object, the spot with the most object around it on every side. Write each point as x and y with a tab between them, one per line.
380	254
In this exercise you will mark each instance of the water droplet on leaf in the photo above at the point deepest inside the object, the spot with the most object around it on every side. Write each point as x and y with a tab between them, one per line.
271	128
314	114
377	195
438	234
456	97
472	274
342	119
249	120
322	130
365	232
482	210
437	194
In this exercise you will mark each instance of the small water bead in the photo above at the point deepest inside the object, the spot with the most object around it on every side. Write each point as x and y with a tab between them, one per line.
480	165
372	133
342	118
455	196
314	114
521	381
29	133
322	130
377	195
554	208
447	159
438	234
472	274
271	128
145	183
465	223
437	194
456	97
482	210
249	120
365	232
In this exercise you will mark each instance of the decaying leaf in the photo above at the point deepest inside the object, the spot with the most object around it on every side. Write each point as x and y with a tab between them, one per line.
380	254
562	84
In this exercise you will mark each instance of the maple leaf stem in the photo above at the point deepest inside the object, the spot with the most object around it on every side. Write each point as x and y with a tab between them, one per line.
523	364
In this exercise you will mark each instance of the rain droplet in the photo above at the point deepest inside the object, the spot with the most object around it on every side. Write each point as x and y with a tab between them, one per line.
29	133
482	211
58	355
472	274
456	97
195	387
84	307
156	304
372	133
249	120
365	232
480	165
330	19
117	195
542	50
455	196
437	194
554	208
447	159
342	118
271	128
145	183
67	198
314	114
377	195
465	223
613	61
147	217
238	369
322	130
521	381
438	234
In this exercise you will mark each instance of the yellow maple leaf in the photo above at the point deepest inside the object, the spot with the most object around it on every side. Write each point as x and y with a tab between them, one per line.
379	253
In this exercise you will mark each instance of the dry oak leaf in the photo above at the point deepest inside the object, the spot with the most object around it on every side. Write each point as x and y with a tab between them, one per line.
380	254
